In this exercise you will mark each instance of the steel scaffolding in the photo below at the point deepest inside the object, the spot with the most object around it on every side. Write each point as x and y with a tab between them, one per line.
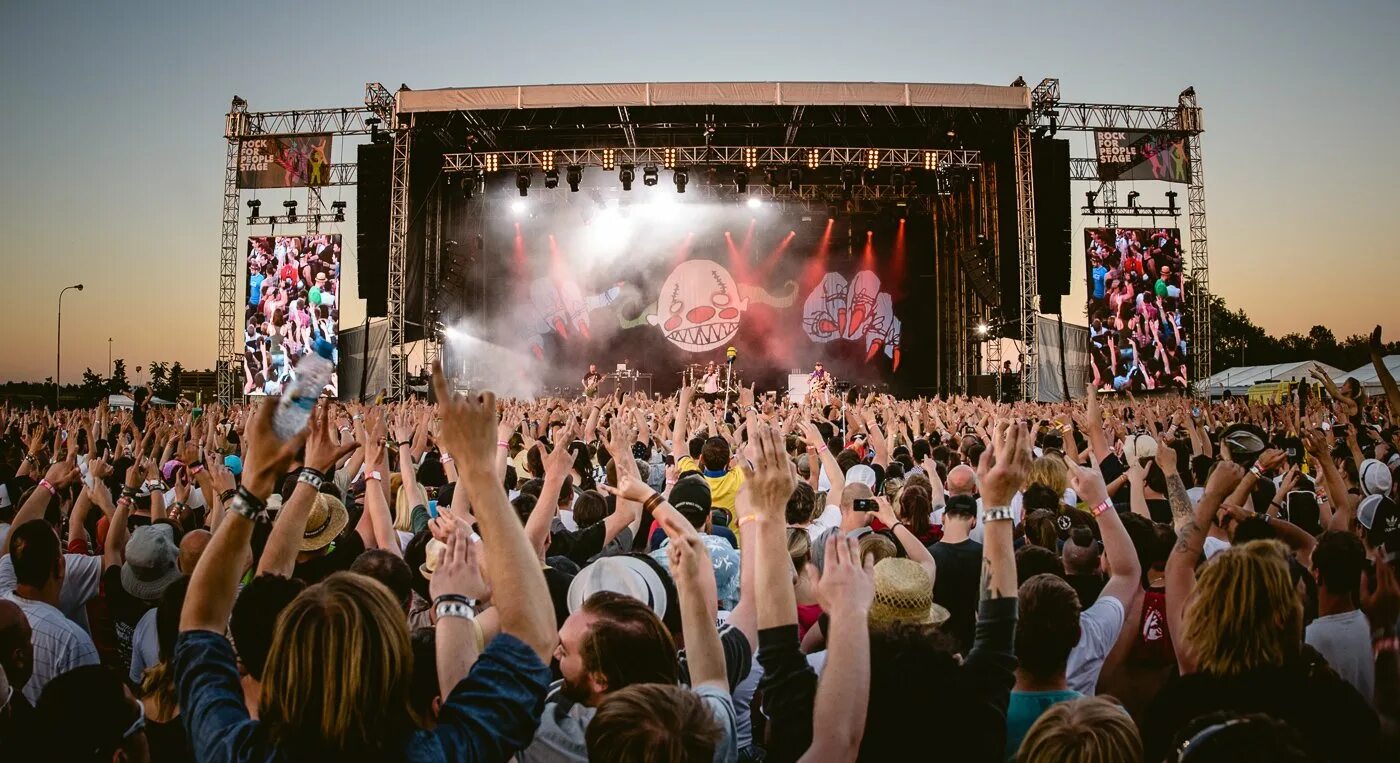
398	258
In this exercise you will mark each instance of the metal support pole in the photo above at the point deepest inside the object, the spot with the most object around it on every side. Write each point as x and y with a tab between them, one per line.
398	259
432	341
1189	116
228	360
313	210
1025	230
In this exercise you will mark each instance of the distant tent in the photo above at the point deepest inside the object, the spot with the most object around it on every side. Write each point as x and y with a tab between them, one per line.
1238	380
160	401
120	401
1366	374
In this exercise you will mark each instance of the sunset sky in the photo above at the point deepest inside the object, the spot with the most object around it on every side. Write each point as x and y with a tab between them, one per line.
111	148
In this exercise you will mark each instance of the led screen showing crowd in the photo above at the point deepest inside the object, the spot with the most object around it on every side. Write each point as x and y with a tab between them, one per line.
1138	322
293	301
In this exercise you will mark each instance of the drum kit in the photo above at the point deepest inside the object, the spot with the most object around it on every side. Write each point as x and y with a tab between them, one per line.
698	376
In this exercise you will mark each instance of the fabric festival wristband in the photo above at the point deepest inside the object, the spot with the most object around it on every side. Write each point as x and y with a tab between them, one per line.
997	514
45	484
196	469
312	477
247	506
651	503
745	519
457	597
228	495
373	476
1101	508
454	609
502	444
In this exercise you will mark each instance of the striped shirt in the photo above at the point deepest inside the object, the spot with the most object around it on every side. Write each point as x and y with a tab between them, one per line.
59	644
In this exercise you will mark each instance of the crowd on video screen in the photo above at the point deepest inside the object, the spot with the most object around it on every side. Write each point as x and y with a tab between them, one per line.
1137	309
293	301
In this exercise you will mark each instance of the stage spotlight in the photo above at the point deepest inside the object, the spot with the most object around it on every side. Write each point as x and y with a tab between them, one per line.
650	175
814	158
750	157
899	180
338	207
492	162
982	329
627	174
741	181
551	178
681	177
770	177
291	206
869	177
522	181
794	179
547	161
609	159
574	175
1171	202
901	211
930	160
832	211
469	182
848	179
1054	121
517	207
1092	198
373	123
254	207
668	158
872	158
1132	199
753	202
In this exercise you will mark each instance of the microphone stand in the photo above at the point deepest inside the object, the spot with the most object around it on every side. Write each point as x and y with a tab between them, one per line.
728	382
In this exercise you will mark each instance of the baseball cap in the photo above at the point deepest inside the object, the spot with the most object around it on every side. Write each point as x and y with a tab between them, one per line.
691	496
862	474
1375	477
1381	518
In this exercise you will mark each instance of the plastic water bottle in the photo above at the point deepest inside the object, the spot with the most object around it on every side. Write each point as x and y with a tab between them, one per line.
312	374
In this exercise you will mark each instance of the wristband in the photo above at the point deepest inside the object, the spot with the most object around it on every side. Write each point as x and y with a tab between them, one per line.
1256	471
998	514
248	506
123	501
445	460
45	484
502	444
745	519
821	448
196	469
651	503
1107	505
228	495
1387	644
312	477
405	443
373	476
179	506
128	491
454	609
456	597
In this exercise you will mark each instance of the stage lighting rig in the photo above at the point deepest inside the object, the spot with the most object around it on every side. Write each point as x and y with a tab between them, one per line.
794	178
872	159
551	178
1132	199
492	162
627	174
750	157
814	158
254	208
650	175
609	159
741	181
374	134
1171	201
1092	198
522	182
338	209
573	175
681	176
930	160
668	158
848	179
291	206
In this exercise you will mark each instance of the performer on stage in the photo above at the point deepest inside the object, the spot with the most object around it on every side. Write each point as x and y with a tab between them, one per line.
819	380
709	383
591	380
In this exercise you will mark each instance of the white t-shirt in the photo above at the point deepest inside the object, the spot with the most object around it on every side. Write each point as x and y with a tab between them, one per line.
1212	546
1345	640
829	518
1099	627
81	577
145	645
722	708
59	645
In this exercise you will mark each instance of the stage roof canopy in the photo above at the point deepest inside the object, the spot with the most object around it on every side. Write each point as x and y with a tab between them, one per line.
654	114
628	94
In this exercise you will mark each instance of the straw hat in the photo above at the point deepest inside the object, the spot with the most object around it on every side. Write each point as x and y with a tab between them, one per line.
432	557
327	518
904	594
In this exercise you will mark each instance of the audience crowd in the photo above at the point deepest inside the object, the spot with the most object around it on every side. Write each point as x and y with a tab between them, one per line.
628	579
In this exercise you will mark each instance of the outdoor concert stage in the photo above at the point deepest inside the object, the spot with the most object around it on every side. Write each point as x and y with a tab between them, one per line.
522	233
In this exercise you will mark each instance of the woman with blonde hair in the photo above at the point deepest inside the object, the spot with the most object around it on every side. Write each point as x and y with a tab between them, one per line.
805	579
1241	645
1087	730
337	684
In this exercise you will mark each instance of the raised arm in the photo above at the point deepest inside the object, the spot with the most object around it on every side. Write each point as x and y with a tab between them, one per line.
557	463
280	554
1125	571
679	442
1004	468
695	584
827	459
1392	390
845	592
520	593
214	583
1181	564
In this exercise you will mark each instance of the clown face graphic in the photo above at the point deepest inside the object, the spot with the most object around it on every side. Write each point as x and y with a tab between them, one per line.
699	306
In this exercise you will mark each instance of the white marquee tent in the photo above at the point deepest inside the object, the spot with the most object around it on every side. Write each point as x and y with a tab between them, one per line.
1238	380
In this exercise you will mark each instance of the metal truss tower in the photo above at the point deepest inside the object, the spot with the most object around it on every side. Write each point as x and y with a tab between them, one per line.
398	259
227	361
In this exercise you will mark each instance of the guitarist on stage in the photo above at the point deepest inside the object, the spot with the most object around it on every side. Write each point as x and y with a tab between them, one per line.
591	380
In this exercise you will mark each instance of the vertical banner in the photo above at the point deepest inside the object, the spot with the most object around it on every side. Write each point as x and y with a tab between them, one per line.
1138	155
284	161
293	301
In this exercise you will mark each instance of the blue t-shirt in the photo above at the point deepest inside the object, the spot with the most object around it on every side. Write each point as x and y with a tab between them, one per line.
491	714
255	288
1023	710
1100	273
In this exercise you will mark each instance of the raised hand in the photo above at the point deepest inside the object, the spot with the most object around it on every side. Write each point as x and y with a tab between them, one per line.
1007	462
459	571
468	426
1088	484
321	447
772	482
268	456
847	585
1380	597
629	480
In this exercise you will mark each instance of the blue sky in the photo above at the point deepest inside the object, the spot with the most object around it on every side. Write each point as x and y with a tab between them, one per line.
111	151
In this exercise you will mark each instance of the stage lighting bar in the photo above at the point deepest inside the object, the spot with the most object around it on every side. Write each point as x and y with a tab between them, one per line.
681	177
547	161
814	158
794	179
668	158
741	181
291	206
626	175
750	157
609	159
872	159
717	156
522	183
650	176
492	162
574	175
930	160
338	209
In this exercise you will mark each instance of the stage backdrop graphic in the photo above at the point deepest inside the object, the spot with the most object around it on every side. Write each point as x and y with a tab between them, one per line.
1138	322
293	300
783	292
1137	155
284	161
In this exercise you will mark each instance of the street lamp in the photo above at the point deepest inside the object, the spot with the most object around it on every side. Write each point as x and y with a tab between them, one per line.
58	350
